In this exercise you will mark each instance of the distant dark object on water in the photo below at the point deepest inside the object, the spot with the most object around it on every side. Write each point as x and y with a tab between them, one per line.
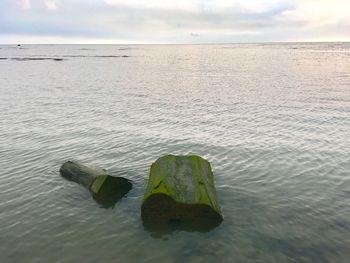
106	189
36	58
18	45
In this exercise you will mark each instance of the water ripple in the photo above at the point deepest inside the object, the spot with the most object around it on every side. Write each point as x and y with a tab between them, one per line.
272	119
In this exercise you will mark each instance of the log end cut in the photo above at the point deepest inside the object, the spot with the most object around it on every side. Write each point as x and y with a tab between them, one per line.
181	192
107	190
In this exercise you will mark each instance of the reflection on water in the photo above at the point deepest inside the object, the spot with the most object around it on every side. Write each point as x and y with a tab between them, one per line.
162	228
162	215
272	119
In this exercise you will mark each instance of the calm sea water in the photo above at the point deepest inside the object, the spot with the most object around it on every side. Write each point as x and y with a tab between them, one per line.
273	120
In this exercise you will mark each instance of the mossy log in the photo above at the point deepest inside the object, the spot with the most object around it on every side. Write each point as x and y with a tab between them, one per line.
181	192
105	189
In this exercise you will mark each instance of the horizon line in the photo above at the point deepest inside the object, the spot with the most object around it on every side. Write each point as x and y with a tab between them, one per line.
203	43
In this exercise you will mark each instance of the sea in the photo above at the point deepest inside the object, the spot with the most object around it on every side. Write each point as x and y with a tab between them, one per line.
273	119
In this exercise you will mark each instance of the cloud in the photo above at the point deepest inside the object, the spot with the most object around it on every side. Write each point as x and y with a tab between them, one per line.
320	12
175	20
51	4
25	4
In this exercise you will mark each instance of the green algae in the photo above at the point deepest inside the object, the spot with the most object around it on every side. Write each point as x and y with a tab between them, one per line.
187	179
180	188
98	183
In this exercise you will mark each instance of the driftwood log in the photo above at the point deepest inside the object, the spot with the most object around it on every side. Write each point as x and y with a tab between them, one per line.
105	189
181	193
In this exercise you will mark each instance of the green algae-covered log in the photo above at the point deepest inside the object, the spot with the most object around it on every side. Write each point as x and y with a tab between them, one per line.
105	189
181	191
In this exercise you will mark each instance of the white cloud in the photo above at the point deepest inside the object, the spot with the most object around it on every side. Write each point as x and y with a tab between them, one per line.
157	4
199	5
28	4
25	4
178	20
259	6
320	12
51	4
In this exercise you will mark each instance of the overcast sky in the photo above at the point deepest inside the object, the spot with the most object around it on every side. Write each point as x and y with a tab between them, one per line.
173	21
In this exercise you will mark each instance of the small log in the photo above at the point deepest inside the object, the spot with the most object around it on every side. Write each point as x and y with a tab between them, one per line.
105	189
181	192
81	174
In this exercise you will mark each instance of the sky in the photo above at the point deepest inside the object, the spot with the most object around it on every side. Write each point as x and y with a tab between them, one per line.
173	21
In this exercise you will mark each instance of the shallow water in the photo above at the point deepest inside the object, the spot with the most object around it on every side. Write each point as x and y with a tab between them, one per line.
273	120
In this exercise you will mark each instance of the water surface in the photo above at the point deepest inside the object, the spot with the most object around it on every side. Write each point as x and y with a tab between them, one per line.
273	120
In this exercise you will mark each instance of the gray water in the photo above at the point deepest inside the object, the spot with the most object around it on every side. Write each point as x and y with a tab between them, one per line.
273	120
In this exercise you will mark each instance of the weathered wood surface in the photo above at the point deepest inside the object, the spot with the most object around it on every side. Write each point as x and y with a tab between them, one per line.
105	189
80	173
181	190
